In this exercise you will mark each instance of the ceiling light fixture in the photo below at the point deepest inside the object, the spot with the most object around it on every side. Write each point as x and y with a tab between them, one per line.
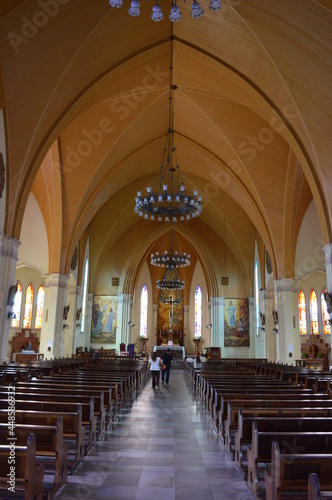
175	14
167	200
170	258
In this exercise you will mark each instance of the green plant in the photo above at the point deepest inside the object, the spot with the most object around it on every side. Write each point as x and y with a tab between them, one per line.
320	355
197	338
305	355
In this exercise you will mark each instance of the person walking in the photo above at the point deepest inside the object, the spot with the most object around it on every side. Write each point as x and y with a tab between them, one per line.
167	361
154	366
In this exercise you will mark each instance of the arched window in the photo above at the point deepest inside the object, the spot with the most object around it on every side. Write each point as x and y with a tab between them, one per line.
85	292
17	307
325	314
28	307
313	313
143	322
257	297
302	313
198	311
40	307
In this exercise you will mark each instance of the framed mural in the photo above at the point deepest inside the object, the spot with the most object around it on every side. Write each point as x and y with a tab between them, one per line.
104	319
236	323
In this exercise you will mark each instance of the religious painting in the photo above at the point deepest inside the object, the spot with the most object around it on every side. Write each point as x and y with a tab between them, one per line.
236	323
104	319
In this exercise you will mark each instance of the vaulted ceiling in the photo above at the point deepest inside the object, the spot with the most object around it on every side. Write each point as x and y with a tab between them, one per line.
85	92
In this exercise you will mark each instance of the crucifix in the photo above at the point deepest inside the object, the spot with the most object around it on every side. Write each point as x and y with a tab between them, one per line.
171	303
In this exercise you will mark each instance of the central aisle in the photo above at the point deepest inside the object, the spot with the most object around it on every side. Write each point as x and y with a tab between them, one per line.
162	447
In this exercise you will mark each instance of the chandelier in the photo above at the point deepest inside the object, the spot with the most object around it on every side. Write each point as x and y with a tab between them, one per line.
170	282
175	13
167	200
170	258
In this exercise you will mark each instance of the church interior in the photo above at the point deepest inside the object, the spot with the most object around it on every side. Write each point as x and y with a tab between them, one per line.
166	183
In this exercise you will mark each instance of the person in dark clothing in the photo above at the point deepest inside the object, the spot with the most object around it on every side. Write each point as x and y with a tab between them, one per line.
167	361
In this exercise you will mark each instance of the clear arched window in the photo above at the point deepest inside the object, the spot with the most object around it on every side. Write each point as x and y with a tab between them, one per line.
257	297
17	307
313	313
28	307
302	313
85	293
143	322
325	314
40	307
198	312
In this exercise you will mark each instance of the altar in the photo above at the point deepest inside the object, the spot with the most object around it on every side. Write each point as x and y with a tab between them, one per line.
177	351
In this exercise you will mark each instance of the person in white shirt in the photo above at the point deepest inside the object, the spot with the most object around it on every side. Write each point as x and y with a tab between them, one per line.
197	362
154	366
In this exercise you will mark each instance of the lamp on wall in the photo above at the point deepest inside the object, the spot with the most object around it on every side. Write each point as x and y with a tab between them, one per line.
130	323
209	326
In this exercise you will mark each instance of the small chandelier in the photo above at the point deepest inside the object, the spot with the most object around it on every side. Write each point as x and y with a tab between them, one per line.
170	258
175	14
167	200
173	283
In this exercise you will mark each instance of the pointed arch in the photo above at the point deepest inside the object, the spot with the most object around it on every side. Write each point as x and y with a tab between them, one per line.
143	322
198	312
302	313
28	307
40	307
313	312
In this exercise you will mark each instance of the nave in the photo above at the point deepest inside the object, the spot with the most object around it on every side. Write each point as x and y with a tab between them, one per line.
161	446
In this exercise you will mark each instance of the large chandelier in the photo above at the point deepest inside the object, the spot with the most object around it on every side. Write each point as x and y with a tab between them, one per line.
170	258
175	13
170	282
167	200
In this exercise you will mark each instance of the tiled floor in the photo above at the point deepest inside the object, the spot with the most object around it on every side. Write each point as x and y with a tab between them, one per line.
162	447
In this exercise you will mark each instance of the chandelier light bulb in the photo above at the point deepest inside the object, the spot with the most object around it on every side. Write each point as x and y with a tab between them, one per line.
116	3
134	8
215	5
196	10
157	14
175	14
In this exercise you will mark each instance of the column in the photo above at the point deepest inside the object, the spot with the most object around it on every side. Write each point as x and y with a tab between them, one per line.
8	259
124	310
69	332
78	319
154	333
270	335
328	266
287	338
53	327
217	320
187	337
253	337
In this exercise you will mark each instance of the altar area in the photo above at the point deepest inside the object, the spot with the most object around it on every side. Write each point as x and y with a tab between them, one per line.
177	351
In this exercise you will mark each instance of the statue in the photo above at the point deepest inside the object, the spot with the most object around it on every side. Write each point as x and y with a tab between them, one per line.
328	300
275	316
12	294
66	311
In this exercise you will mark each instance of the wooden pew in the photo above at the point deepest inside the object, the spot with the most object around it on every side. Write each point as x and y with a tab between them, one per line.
259	452
296	423
50	448
290	472
27	476
52	403
315	492
73	429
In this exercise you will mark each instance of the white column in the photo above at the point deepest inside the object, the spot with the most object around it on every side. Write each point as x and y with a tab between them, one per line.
154	333
270	336
328	266
78	319
69	333
187	336
288	341
52	332
8	258
253	340
124	311
217	320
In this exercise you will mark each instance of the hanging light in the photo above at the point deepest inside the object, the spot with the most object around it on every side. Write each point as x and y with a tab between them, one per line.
173	283
170	258
175	14
167	200
196	10
134	8
157	14
116	3
215	5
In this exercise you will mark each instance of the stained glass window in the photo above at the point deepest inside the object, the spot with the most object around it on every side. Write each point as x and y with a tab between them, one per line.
313	313
85	292
17	307
39	308
144	312
257	297
28	307
325	315
302	313
198	312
